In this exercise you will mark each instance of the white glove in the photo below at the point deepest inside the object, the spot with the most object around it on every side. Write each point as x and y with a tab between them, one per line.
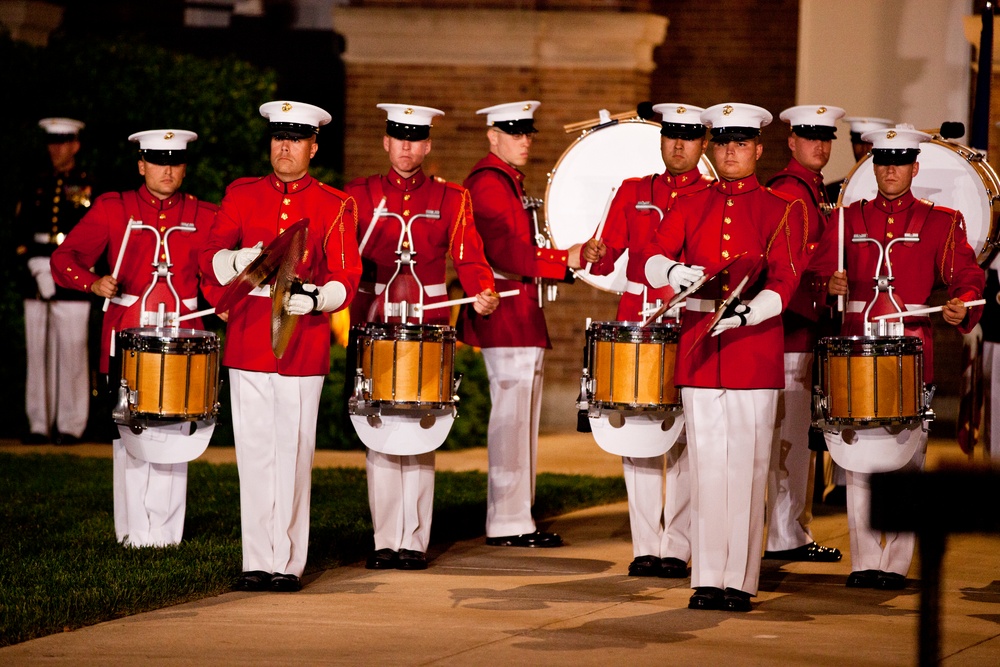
327	298
41	271
762	307
228	264
661	271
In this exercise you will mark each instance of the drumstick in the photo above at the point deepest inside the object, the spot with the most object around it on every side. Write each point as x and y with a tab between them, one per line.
593	122
468	299
191	316
121	255
604	220
927	311
840	255
371	226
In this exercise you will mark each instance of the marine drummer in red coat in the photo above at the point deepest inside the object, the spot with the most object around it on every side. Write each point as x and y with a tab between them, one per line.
659	489
730	380
806	319
276	401
401	488
514	338
149	497
941	257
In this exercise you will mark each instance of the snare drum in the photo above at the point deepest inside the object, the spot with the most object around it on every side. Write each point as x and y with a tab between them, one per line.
582	180
172	374
950	175
407	364
867	381
632	367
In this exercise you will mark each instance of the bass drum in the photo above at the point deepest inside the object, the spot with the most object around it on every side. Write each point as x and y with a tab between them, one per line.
581	182
950	175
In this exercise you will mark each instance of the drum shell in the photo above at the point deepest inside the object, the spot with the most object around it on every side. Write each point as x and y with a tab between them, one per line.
632	367
172	374
871	380
407	363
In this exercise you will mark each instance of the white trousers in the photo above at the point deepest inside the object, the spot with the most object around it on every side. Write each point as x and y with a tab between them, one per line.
150	499
659	503
729	434
515	375
401	498
872	549
793	464
991	400
274	425
57	389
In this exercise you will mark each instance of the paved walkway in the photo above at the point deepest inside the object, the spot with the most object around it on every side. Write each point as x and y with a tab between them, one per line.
569	606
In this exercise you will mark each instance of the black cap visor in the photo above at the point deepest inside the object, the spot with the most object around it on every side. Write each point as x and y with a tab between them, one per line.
682	131
897	156
818	132
291	130
723	135
519	126
60	138
405	132
164	158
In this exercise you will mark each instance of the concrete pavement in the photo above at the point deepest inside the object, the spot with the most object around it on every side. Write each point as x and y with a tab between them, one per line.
573	605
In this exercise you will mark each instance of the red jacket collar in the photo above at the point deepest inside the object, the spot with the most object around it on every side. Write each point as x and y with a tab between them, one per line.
900	203
291	187
150	199
739	186
406	184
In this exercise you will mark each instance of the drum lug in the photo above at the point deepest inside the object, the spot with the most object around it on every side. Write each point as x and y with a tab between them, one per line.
583	400
126	398
455	385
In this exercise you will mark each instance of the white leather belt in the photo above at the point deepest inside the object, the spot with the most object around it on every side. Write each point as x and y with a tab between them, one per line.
125	300
439	289
507	276
634	288
859	306
702	305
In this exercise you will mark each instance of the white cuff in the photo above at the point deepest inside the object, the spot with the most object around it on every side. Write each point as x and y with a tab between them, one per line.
222	264
331	297
657	268
764	306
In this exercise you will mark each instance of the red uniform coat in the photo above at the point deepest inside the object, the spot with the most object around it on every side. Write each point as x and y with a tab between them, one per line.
942	256
258	209
508	232
806	318
628	228
711	226
103	229
453	234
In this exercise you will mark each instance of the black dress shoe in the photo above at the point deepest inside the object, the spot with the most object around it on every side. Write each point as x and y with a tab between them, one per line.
673	568
644	566
535	539
706	597
383	559
890	581
285	583
736	600
255	580
35	439
863	579
411	560
812	552
66	439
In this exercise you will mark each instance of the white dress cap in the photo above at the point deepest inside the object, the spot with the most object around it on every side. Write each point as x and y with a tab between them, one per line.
512	117
163	140
901	137
862	124
409	114
295	113
61	125
734	121
680	114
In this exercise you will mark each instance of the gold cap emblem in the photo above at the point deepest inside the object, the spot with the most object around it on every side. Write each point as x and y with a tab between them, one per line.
821	110
168	136
286	107
726	110
527	107
891	134
681	110
408	111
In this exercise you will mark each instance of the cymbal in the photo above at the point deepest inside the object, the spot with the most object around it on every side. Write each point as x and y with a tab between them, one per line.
724	306
711	272
262	267
286	277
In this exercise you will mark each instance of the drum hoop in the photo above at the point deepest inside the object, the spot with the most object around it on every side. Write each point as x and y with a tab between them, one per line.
990	182
633	332
870	346
166	341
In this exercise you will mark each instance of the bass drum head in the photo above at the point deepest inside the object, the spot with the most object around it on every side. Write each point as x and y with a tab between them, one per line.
950	175
581	182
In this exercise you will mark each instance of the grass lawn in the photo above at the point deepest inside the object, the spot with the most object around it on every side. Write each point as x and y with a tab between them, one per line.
62	568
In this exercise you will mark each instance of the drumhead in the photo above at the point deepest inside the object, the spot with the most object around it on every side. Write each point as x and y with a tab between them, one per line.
581	182
633	332
396	331
950	175
167	339
869	346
